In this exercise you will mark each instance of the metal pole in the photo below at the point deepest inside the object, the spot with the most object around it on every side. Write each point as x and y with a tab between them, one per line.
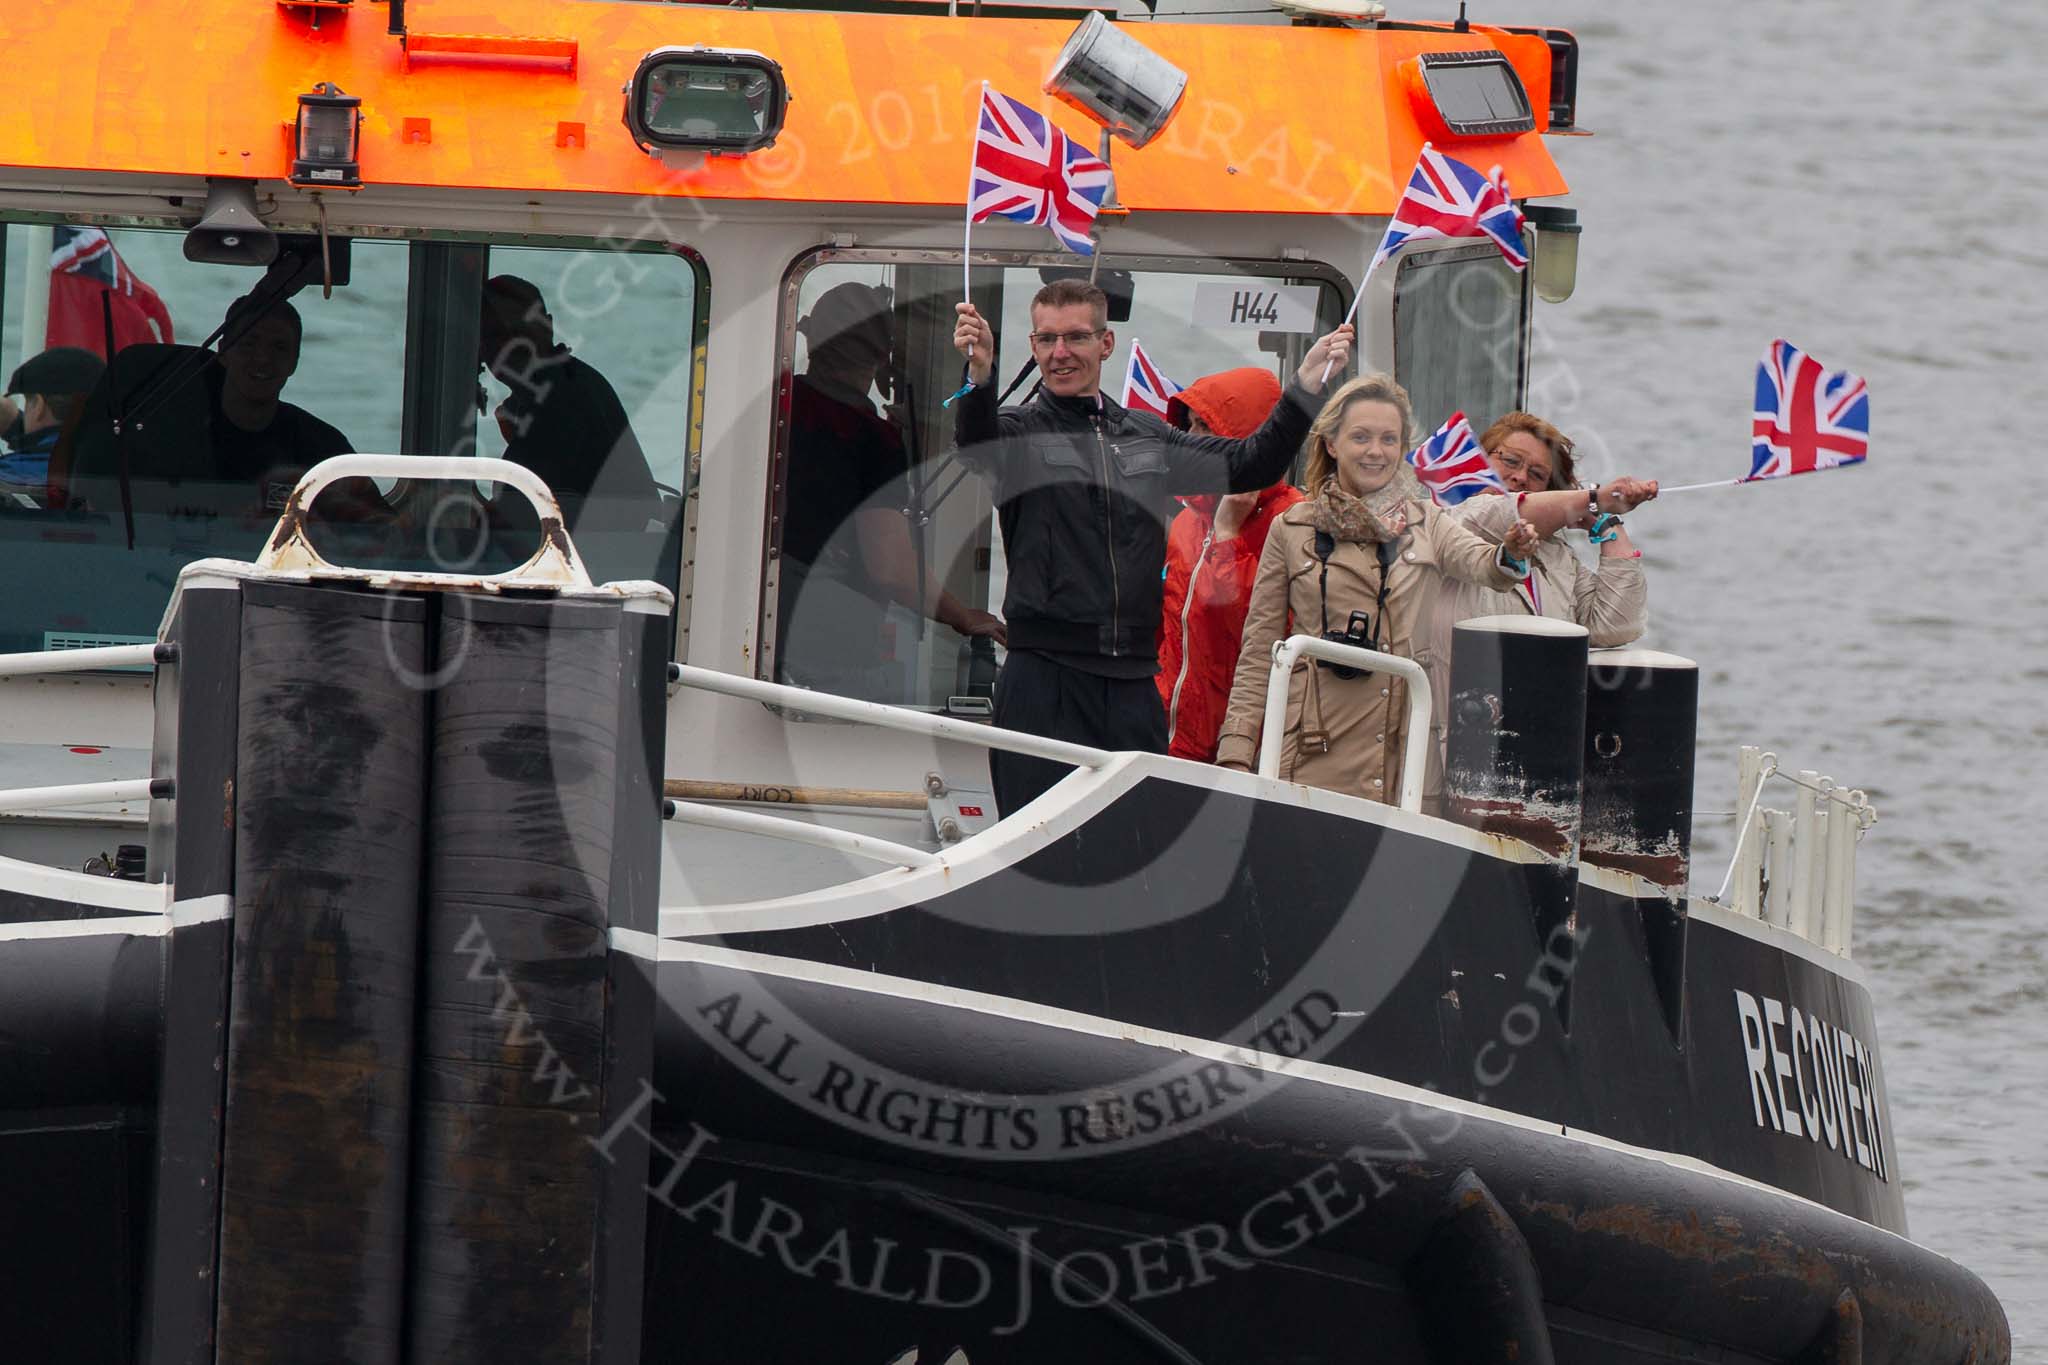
1749	844
798	831
84	660
85	794
1778	836
1839	909
1804	905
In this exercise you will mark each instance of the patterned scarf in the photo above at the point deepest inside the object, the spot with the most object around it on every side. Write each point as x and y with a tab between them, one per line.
1382	515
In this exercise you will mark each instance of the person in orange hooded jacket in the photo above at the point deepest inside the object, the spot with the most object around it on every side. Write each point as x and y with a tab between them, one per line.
1212	556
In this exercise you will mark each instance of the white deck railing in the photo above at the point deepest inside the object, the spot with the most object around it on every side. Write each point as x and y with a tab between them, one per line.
1289	652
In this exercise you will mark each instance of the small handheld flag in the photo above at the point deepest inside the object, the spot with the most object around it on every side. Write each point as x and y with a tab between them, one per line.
1028	171
1145	388
1807	417
1451	465
1447	198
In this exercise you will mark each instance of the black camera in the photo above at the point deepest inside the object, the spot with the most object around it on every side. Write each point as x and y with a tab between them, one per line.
1361	631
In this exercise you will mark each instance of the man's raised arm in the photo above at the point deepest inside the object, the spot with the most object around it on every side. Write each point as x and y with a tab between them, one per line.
1217	464
974	415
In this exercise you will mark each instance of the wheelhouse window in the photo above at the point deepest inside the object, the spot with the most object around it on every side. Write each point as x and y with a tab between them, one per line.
879	546
227	383
1460	334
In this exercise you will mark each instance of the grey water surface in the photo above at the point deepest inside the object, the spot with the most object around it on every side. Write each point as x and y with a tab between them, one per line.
1867	180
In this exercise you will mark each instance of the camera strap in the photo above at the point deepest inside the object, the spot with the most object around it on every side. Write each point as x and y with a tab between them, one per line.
1325	546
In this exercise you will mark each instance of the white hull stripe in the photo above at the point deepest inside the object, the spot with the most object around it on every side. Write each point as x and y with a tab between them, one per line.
202	910
83	888
637	942
1071	803
125	926
1024	1011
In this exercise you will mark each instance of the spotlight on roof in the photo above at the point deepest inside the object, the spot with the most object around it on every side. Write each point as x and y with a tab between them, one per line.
721	101
1117	81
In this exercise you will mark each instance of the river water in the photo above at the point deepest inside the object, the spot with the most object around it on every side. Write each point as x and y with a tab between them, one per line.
1864	178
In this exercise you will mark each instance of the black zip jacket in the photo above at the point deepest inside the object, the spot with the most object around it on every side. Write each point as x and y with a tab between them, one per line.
1085	491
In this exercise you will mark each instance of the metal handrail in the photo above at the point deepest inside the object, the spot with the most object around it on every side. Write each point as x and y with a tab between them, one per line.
886	717
1287	653
82	660
554	561
799	831
87	794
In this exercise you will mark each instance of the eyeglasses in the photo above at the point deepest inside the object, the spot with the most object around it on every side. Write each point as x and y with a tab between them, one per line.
1515	464
1045	341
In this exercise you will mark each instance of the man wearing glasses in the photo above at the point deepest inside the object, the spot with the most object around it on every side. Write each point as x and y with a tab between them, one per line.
1084	492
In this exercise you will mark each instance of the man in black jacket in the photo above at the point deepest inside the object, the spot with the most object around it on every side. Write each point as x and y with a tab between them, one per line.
1084	491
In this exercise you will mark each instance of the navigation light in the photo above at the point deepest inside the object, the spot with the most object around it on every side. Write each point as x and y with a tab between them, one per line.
1557	249
325	139
724	101
1117	81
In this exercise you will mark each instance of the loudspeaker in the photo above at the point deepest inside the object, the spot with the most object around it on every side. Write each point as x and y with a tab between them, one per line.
229	232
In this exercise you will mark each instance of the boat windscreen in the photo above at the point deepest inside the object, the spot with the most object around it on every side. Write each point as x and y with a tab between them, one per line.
224	390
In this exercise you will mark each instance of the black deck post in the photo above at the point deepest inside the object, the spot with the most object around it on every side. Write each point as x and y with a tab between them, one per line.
534	1031
1515	732
1642	721
192	846
326	938
1642	711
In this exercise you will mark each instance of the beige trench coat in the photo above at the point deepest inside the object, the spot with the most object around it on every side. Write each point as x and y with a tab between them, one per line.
1612	604
1347	735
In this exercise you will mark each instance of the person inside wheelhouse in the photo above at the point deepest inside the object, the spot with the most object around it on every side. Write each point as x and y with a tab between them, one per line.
260	441
848	551
561	419
52	387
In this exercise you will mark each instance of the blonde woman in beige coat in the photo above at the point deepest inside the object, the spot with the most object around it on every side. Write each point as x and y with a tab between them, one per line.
1367	540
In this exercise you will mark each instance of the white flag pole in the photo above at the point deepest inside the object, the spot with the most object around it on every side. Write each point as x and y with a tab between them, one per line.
967	232
1371	266
1717	483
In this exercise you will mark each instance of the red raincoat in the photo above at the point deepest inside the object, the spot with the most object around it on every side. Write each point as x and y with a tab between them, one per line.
1209	582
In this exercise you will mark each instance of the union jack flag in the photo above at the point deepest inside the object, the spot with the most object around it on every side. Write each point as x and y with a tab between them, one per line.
1028	171
1447	198
84	268
1145	389
1807	417
1452	466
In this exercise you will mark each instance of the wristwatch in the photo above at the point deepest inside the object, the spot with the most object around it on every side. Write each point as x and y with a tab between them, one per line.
1592	503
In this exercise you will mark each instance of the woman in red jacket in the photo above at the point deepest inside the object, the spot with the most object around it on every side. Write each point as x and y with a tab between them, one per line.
1212	556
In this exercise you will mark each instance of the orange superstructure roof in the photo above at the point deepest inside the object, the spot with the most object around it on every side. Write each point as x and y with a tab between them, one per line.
1277	119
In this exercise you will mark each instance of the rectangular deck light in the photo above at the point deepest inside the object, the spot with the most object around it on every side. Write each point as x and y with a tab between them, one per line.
1476	94
724	101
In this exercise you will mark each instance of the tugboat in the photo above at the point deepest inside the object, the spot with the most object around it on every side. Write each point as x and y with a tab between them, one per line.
509	898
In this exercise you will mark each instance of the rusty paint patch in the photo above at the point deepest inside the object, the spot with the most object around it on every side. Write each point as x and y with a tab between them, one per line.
291	525
1514	820
1665	869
